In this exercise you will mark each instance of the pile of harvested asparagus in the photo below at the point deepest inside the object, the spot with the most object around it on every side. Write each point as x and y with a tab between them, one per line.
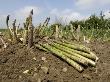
76	55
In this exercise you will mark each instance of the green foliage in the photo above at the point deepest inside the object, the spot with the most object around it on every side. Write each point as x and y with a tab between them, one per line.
93	28
2	30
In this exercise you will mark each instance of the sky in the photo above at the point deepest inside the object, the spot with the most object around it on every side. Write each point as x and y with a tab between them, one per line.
57	10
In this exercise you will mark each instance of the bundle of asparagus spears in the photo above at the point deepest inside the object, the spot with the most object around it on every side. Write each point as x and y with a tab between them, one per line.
76	55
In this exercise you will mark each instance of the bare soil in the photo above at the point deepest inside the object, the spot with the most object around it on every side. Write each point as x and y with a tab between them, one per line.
46	67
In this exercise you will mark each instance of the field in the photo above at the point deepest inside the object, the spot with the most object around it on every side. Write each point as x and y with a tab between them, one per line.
21	60
16	59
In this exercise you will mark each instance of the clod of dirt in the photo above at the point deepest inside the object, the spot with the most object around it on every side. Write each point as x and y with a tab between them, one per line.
43	58
35	75
39	80
64	69
35	69
34	58
3	60
45	70
87	76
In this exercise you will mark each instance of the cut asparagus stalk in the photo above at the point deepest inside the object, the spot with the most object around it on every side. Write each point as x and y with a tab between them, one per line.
9	29
30	30
78	52
79	48
41	48
85	49
70	61
30	36
75	58
90	62
25	33
56	31
15	38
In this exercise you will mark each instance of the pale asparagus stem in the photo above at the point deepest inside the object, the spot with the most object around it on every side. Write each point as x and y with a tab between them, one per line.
80	48
56	31
25	34
73	36
78	32
77	45
30	32
30	36
40	47
71	26
70	61
15	39
73	46
90	62
78	52
10	33
27	27
3	42
17	29
9	29
75	58
60	33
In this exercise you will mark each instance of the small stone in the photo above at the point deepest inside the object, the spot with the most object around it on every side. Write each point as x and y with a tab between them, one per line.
64	69
21	39
5	46
45	69
9	39
26	71
4	60
34	58
20	77
43	58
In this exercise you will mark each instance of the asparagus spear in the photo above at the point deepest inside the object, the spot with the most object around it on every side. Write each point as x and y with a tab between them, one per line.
64	57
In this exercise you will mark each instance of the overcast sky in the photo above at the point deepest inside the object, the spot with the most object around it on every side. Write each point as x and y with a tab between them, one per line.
64	9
